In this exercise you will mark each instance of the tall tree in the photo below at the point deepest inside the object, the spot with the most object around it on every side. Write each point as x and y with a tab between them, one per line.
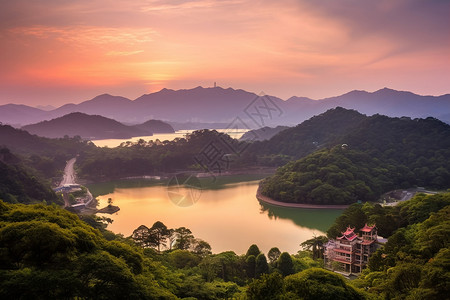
285	264
253	250
184	238
201	247
172	237
158	235
315	245
250	263
141	236
261	266
273	255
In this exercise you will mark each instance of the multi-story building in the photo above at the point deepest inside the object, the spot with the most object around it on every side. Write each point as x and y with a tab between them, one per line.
350	252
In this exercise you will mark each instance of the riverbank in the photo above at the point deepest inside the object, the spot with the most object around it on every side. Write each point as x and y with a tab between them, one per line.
271	201
165	176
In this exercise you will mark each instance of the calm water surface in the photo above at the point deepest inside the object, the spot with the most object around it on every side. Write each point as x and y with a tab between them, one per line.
111	143
228	215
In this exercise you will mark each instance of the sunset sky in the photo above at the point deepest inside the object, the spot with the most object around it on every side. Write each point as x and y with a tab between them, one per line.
60	51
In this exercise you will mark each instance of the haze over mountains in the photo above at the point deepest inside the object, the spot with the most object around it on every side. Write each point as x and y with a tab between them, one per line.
94	127
213	105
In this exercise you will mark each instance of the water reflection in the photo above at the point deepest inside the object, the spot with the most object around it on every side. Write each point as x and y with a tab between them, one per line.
229	217
320	219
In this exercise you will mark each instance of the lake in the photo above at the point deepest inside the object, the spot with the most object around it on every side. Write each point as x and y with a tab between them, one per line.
110	143
225	213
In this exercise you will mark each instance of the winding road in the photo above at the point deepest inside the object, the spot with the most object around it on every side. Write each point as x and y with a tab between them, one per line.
69	178
69	173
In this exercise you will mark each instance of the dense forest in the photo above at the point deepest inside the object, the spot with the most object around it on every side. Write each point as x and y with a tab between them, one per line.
156	157
94	127
382	154
415	262
409	152
338	157
47	252
44	156
22	184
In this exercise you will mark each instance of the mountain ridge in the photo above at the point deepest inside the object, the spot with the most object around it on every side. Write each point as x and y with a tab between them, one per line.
223	105
94	127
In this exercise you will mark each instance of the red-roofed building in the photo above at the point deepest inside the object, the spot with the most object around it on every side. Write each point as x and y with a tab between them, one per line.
350	252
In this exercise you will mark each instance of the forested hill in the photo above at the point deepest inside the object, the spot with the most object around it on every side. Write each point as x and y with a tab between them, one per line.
21	141
43	157
340	125
262	134
414	263
19	184
155	126
86	126
319	131
374	156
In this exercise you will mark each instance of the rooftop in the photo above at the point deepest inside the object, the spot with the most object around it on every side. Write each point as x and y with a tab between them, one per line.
367	228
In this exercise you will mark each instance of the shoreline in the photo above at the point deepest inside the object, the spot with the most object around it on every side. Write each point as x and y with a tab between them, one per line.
271	201
166	176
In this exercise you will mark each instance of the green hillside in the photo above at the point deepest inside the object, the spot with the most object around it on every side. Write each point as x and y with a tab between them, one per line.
320	131
19	184
85	126
415	261
46	156
377	155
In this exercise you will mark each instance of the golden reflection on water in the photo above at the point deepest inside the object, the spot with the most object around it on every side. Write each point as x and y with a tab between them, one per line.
111	143
229	218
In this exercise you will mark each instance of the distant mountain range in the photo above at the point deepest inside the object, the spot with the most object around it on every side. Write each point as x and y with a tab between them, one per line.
94	127
218	105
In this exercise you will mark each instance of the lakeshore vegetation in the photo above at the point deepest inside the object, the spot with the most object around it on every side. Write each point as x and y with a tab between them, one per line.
339	157
48	252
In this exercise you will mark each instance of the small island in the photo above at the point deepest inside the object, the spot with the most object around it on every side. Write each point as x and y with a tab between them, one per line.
110	209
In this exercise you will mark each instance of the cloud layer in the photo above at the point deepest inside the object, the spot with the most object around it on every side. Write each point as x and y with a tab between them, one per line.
57	51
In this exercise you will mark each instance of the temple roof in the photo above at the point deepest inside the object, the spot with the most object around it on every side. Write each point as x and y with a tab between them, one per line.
367	228
349	234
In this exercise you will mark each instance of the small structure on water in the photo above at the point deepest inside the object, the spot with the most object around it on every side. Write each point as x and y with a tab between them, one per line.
350	252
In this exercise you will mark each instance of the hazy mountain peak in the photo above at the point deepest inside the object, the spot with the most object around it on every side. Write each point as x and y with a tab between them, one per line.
222	105
355	93
45	107
84	125
391	92
107	97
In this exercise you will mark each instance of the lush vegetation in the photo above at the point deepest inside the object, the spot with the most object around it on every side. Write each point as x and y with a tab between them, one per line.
313	283
381	155
406	153
18	183
148	157
390	218
335	176
415	262
43	156
94	127
47	252
320	131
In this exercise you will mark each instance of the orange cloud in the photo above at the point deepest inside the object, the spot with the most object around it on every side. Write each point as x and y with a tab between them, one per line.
287	47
